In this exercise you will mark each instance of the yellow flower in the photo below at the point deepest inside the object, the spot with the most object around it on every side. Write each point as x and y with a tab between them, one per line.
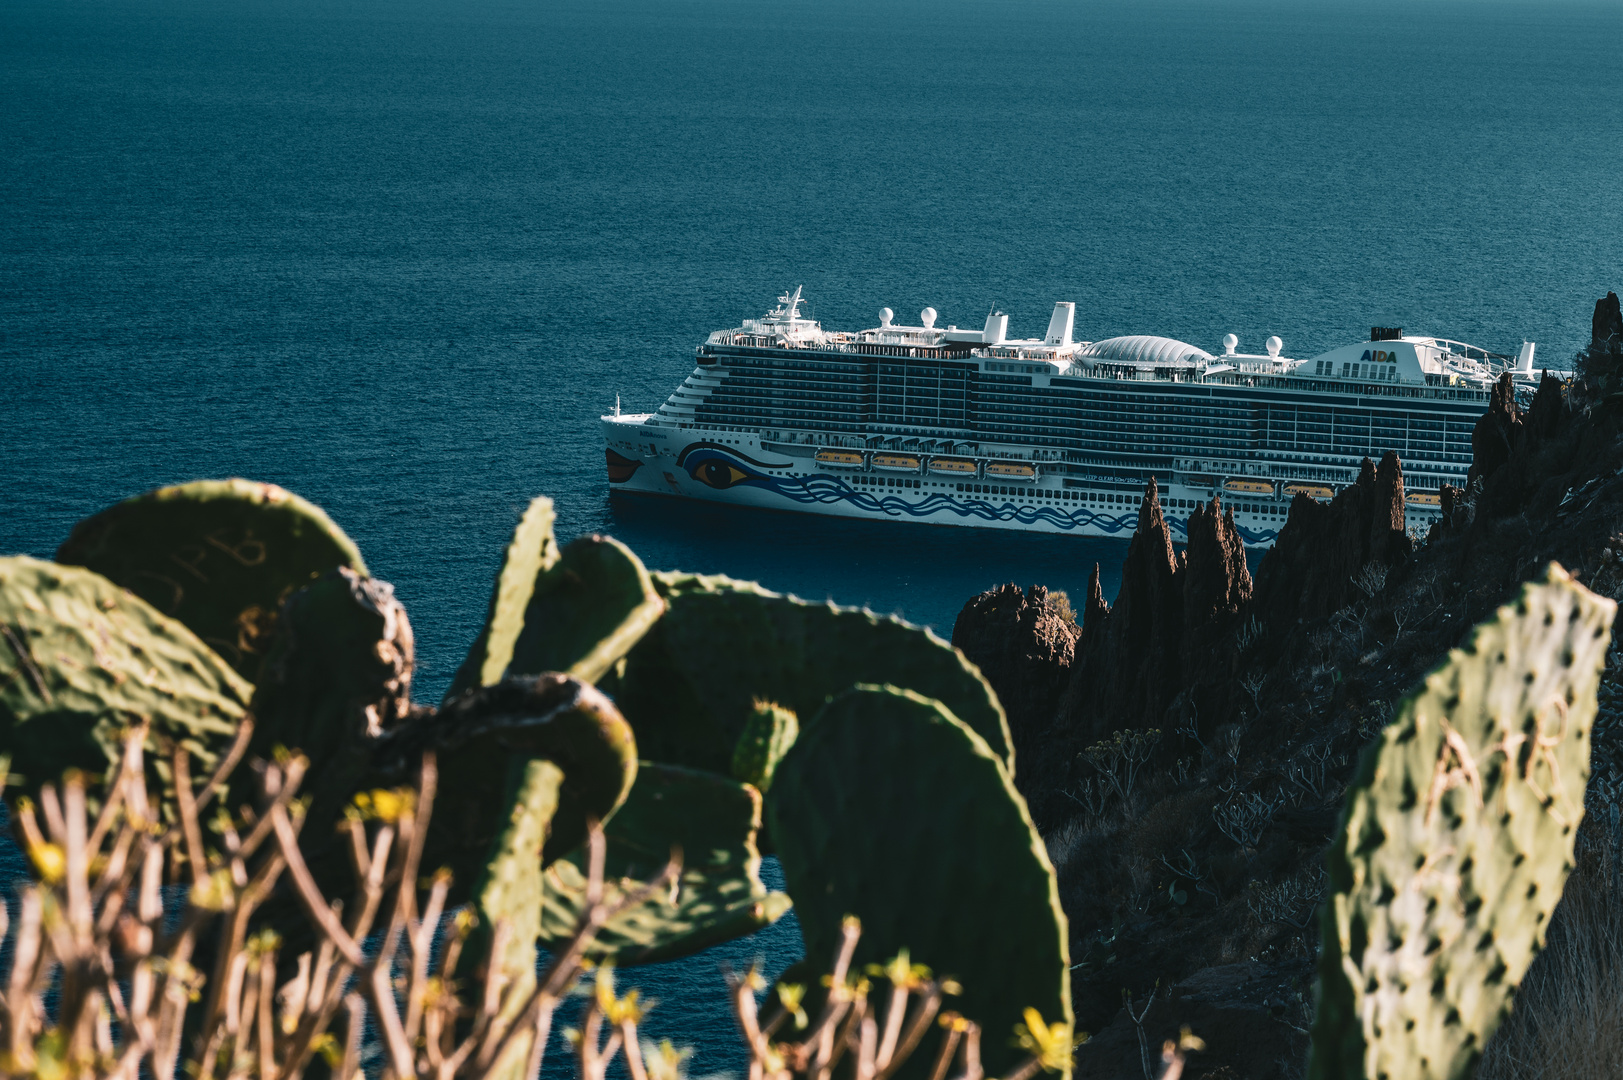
1050	1045
615	1010
665	1061
327	1046
214	892
901	971
385	805
49	860
790	995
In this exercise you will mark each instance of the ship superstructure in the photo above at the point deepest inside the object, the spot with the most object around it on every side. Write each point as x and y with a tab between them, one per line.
971	427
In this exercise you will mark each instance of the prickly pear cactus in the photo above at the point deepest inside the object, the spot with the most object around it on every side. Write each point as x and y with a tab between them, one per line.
81	659
713	821
689	687
577	610
890	808
1457	840
338	669
510	890
768	734
564	720
219	555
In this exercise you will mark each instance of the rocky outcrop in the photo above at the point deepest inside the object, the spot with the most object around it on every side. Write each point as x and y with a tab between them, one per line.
1497	432
1168	625
1327	551
1024	643
1606	334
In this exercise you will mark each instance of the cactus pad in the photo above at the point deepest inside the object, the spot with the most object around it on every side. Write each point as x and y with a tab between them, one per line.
509	891
891	809
554	717
577	610
689	687
713	821
81	659
1457	840
338	668
219	555
768	734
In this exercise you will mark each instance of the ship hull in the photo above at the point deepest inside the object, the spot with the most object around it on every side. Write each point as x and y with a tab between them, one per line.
735	469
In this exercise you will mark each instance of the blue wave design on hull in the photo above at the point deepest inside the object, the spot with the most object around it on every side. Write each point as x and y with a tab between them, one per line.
824	489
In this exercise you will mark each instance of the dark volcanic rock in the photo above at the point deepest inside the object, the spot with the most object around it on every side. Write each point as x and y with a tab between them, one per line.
1497	432
1606	334
1023	643
1324	548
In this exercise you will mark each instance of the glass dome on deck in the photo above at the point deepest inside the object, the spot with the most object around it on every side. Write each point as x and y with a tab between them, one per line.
1145	349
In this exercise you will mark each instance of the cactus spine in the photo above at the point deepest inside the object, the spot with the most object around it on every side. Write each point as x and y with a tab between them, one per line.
1456	842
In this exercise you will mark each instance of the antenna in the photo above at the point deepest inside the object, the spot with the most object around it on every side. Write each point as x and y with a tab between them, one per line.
617	405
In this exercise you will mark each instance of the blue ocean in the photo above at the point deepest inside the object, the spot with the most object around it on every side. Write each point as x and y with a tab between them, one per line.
399	256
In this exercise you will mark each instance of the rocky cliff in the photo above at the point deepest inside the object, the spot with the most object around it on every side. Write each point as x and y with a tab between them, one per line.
1185	751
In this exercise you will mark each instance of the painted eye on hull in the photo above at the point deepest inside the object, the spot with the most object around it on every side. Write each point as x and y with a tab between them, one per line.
719	474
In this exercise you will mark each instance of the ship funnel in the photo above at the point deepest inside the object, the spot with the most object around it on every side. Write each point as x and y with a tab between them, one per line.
1059	327
997	328
1524	359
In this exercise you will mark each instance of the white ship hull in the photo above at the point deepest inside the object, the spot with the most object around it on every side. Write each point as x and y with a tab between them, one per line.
689	464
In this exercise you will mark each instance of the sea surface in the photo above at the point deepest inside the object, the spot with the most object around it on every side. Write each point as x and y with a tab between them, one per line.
399	255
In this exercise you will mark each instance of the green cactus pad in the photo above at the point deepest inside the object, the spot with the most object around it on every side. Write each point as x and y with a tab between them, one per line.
510	889
81	659
338	668
890	808
555	717
219	555
713	821
690	686
530	553
768	734
1457	839
582	610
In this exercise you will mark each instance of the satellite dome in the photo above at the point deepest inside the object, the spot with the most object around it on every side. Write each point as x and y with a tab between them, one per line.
1229	343
1273	345
1146	349
885	315
927	316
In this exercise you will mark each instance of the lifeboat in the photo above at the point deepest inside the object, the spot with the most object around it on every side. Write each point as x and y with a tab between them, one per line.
896	462
947	466
840	459
1248	487
1312	491
1011	470
1423	498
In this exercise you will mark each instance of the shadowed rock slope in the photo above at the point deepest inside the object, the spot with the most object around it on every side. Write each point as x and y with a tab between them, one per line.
1185	751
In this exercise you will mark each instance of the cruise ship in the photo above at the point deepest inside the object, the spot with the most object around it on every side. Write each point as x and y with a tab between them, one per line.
958	426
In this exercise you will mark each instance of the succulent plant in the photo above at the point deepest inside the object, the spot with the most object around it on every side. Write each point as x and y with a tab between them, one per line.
338	668
554	717
890	808
576	611
219	555
768	734
712	822
689	687
1456	842
82	661
509	891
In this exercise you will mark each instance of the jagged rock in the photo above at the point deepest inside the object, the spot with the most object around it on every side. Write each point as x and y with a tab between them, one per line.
1167	628
1497	432
1324	548
1217	582
1607	327
1024	644
1093	615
